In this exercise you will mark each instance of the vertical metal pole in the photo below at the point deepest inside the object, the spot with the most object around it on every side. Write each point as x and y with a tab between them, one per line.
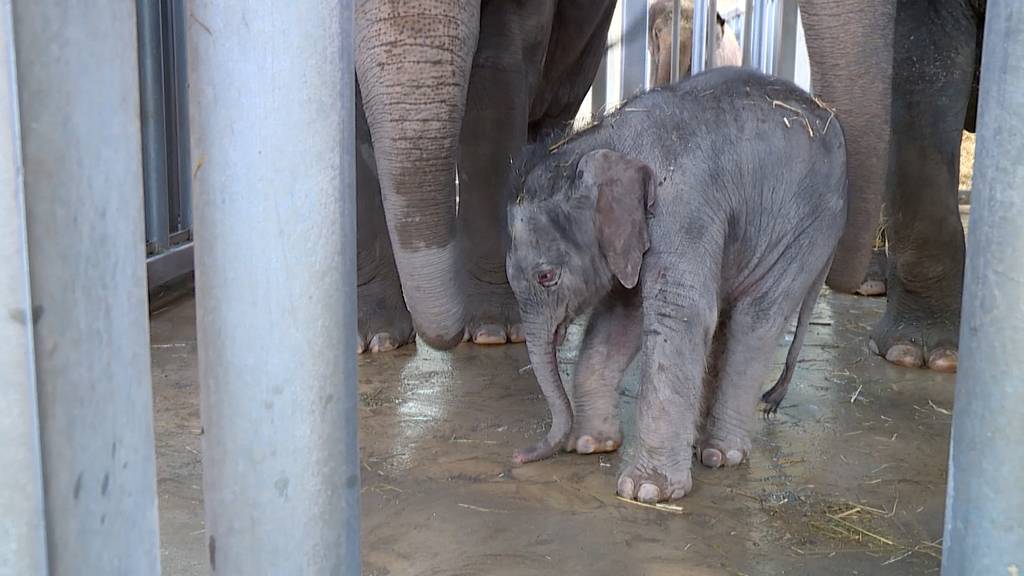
984	527
598	90
634	46
760	34
22	525
273	113
705	20
154	134
676	21
786	39
176	92
78	89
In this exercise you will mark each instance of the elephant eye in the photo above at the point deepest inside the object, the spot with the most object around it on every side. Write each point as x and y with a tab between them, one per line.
547	278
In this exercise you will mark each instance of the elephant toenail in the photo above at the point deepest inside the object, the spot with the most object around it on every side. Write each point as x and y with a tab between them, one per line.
610	445
516	334
943	361
625	487
585	445
905	355
648	493
382	343
489	335
733	457
711	457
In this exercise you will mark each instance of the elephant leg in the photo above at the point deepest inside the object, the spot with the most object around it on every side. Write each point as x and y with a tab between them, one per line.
609	345
933	75
747	340
679	318
493	130
383	322
875	279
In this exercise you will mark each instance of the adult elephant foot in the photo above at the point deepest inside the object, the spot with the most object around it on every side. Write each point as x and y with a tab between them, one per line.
916	337
492	314
384	321
874	281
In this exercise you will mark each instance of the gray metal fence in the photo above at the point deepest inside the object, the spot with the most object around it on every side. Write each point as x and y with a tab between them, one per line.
163	65
769	31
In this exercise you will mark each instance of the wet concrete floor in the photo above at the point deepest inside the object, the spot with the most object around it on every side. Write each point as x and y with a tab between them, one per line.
848	479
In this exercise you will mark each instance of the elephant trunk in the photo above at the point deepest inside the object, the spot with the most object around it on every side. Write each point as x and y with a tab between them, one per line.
413	62
542	339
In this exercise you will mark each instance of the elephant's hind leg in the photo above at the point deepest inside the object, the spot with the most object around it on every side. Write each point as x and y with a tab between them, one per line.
933	76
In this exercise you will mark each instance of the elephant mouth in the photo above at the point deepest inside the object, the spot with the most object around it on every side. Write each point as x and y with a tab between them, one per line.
560	331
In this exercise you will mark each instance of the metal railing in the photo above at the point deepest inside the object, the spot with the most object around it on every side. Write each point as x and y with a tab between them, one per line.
771	38
165	139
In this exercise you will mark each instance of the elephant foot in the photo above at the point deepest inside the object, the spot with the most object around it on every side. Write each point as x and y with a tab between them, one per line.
492	314
594	439
384	321
875	280
648	480
917	339
723	444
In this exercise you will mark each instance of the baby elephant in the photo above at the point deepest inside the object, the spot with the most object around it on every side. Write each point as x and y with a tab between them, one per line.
694	223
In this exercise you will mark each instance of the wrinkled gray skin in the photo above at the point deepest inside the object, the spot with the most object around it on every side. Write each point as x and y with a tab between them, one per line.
903	76
694	223
445	83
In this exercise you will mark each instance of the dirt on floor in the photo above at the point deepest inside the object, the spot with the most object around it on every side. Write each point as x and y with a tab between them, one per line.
848	479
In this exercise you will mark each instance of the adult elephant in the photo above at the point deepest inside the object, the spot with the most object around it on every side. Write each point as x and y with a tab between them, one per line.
446	83
903	76
659	41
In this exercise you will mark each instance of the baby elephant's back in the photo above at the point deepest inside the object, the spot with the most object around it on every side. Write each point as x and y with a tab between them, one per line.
770	131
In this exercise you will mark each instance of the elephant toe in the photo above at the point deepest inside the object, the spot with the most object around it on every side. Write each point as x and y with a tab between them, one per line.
943	360
489	335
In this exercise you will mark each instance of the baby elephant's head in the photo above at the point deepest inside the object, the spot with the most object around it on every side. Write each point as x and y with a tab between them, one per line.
578	227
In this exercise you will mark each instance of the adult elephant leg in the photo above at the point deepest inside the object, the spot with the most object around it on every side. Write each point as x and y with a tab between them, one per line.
933	75
384	321
493	130
850	45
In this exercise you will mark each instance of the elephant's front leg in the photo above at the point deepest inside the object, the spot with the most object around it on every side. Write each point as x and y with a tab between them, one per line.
494	129
609	345
933	75
678	327
384	322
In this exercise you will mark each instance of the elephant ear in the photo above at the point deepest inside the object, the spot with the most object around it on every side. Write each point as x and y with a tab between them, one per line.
625	193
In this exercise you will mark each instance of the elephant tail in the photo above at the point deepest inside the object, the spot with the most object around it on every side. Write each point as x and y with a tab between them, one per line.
773	397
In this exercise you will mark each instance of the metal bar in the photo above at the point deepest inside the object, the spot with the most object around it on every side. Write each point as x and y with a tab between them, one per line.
22	521
599	89
984	525
169	265
154	135
634	46
273	110
676	21
705	21
179	159
760	34
786	39
78	88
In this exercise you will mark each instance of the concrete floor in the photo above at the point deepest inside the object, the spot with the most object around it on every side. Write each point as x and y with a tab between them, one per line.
849	479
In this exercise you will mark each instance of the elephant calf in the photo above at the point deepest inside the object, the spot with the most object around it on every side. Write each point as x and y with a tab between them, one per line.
694	223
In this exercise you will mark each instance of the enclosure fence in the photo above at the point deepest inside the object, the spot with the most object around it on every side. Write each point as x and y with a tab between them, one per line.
111	112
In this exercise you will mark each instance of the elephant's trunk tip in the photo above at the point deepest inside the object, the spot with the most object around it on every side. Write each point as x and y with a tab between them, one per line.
441	341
